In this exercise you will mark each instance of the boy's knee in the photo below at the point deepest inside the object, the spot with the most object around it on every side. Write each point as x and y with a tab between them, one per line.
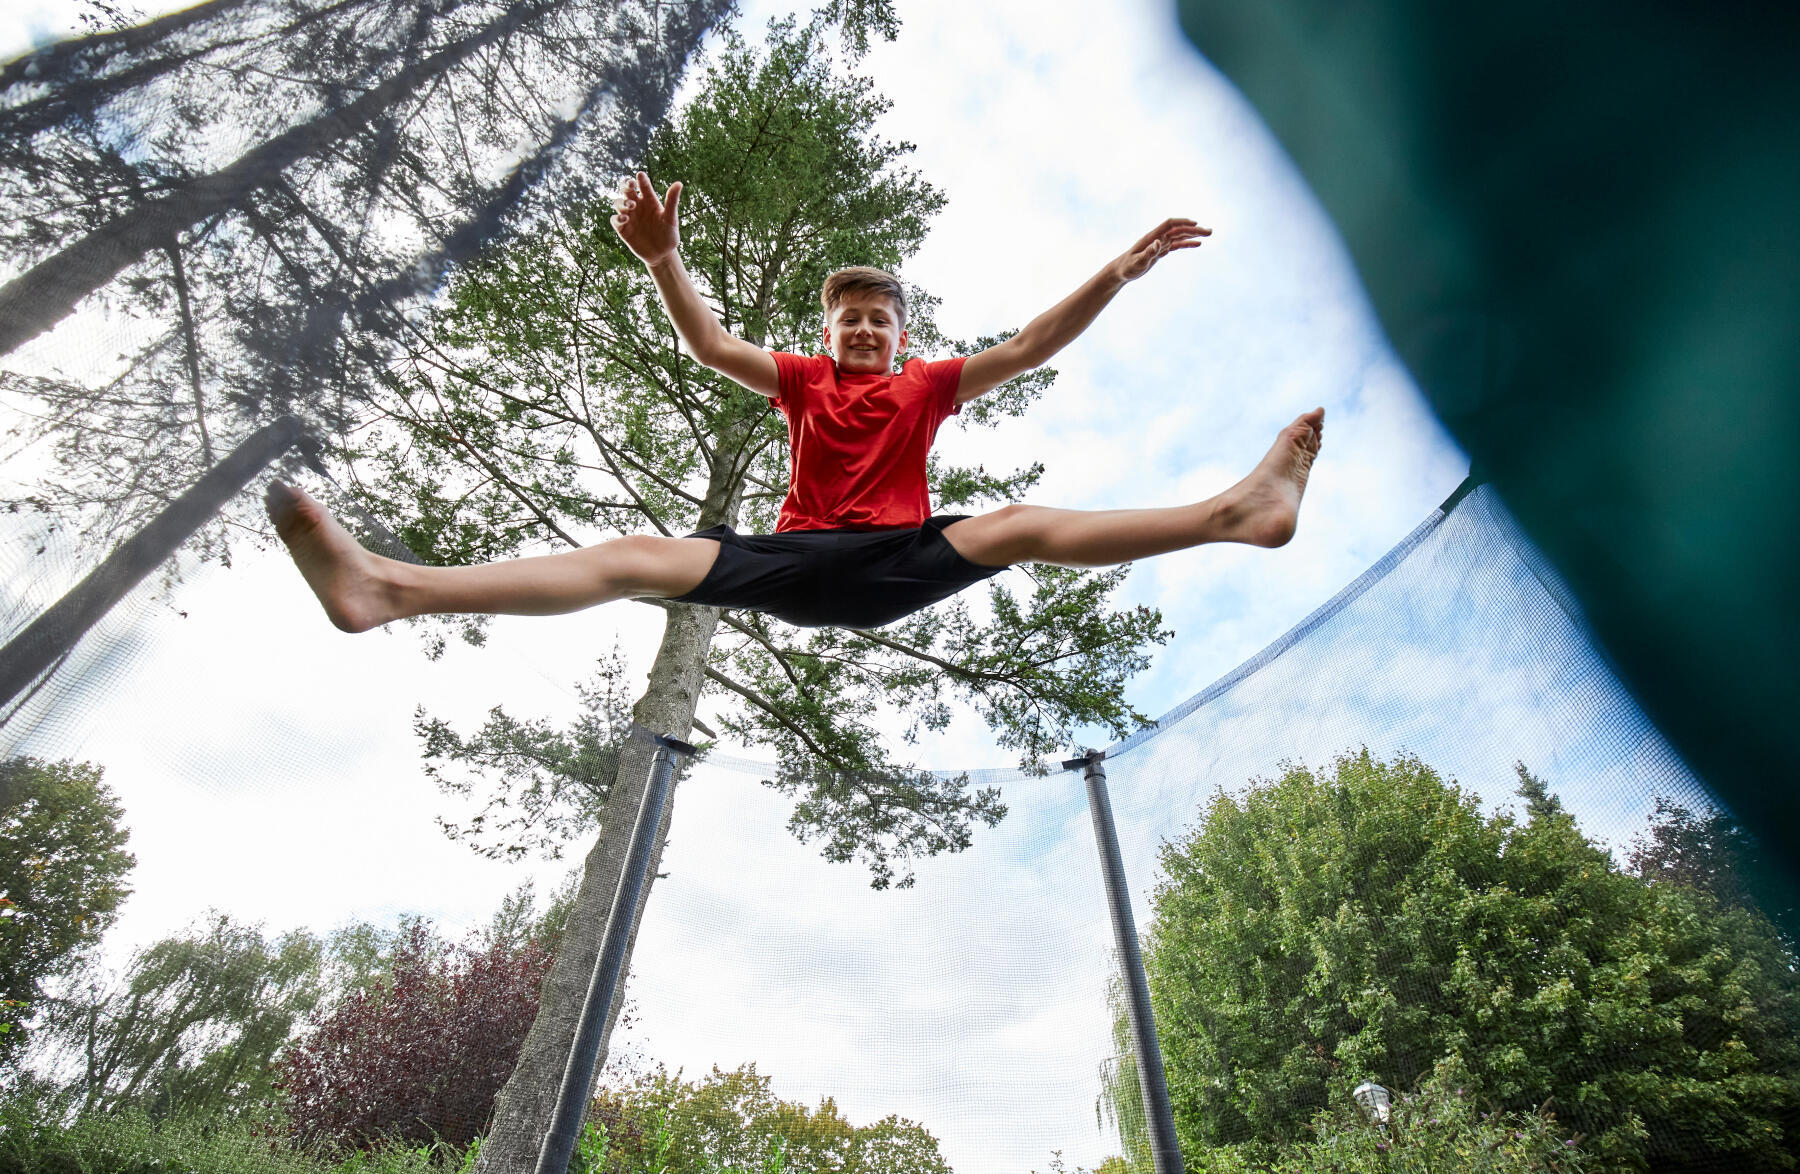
1018	519
1011	534
649	564
634	562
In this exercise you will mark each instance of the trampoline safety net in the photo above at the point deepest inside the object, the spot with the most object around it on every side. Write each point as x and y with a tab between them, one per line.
1417	887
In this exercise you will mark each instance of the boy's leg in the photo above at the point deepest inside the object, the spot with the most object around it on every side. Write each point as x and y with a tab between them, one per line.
361	590
1261	510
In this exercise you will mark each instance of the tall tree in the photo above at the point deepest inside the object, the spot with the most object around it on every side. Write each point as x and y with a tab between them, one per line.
1710	851
255	183
193	1025
62	870
551	405
1366	921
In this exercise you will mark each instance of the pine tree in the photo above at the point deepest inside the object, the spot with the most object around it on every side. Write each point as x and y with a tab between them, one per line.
232	211
550	405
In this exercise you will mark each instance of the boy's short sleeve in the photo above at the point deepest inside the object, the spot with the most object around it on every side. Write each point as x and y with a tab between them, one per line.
793	372
944	376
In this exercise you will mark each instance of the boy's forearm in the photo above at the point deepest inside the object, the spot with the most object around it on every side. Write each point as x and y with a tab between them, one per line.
694	320
1062	323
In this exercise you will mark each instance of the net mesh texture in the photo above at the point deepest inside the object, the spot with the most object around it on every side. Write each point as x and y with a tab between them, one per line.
1424	841
982	1002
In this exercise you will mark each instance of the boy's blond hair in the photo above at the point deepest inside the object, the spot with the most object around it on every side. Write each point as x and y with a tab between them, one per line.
863	279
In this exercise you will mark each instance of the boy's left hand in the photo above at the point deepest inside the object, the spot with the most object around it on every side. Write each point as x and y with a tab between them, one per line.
1172	234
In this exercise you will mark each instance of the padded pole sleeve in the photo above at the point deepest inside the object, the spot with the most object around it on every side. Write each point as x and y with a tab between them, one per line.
1165	1152
578	1076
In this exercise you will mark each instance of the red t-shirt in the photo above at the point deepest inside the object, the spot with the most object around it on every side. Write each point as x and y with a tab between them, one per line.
857	443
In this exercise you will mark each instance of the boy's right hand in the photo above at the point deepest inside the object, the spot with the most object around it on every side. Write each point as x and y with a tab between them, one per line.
649	227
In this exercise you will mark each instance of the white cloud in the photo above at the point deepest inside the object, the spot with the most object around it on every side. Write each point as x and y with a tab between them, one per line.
29	24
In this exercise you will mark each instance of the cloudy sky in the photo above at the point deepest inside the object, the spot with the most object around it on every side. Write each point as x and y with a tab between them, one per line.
267	765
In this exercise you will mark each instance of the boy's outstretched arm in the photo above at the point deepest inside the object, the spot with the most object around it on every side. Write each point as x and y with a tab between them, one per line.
651	228
1057	327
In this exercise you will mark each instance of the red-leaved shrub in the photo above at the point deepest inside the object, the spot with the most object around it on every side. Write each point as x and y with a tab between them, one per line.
419	1060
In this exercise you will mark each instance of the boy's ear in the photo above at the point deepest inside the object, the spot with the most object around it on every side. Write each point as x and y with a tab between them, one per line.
901	349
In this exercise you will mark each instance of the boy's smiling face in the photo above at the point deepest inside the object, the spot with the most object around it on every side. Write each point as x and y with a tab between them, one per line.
864	333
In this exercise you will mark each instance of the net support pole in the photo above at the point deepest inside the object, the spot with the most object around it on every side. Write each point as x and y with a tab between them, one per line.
578	1076
52	635
1159	1119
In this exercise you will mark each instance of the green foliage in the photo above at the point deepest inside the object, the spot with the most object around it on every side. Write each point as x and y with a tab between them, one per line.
517	922
554	782
1121	1100
192	1026
182	1052
591	1149
857	19
37	1138
1369	922
196	1023
731	1123
1441	1129
550	404
62	867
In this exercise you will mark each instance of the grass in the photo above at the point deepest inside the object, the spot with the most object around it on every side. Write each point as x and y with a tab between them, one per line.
35	1140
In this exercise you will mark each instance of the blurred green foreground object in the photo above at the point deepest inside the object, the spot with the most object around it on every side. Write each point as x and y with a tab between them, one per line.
1580	226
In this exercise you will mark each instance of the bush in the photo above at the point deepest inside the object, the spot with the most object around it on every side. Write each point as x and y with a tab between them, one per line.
34	1139
732	1123
420	1057
62	871
1439	1129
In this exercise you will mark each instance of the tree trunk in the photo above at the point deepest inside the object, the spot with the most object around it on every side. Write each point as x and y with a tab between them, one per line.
48	292
52	61
73	70
527	1102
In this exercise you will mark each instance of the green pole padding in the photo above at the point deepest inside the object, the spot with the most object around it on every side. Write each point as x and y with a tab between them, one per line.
1579	226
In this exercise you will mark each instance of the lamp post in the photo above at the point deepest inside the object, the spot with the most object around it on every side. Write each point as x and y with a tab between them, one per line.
1376	1101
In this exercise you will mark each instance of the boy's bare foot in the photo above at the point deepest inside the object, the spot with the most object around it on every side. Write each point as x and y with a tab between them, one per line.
346	578
1264	507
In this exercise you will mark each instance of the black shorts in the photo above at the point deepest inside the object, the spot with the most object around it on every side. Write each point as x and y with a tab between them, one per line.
836	578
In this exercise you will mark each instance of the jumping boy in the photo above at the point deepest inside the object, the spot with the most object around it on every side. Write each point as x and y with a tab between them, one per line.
855	545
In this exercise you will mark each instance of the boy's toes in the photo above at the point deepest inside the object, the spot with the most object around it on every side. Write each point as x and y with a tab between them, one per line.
287	508
280	500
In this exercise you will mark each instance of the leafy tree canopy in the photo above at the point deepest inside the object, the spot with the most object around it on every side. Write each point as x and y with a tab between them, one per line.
192	1025
203	1022
551	404
1367	921
418	1057
62	869
732	1121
